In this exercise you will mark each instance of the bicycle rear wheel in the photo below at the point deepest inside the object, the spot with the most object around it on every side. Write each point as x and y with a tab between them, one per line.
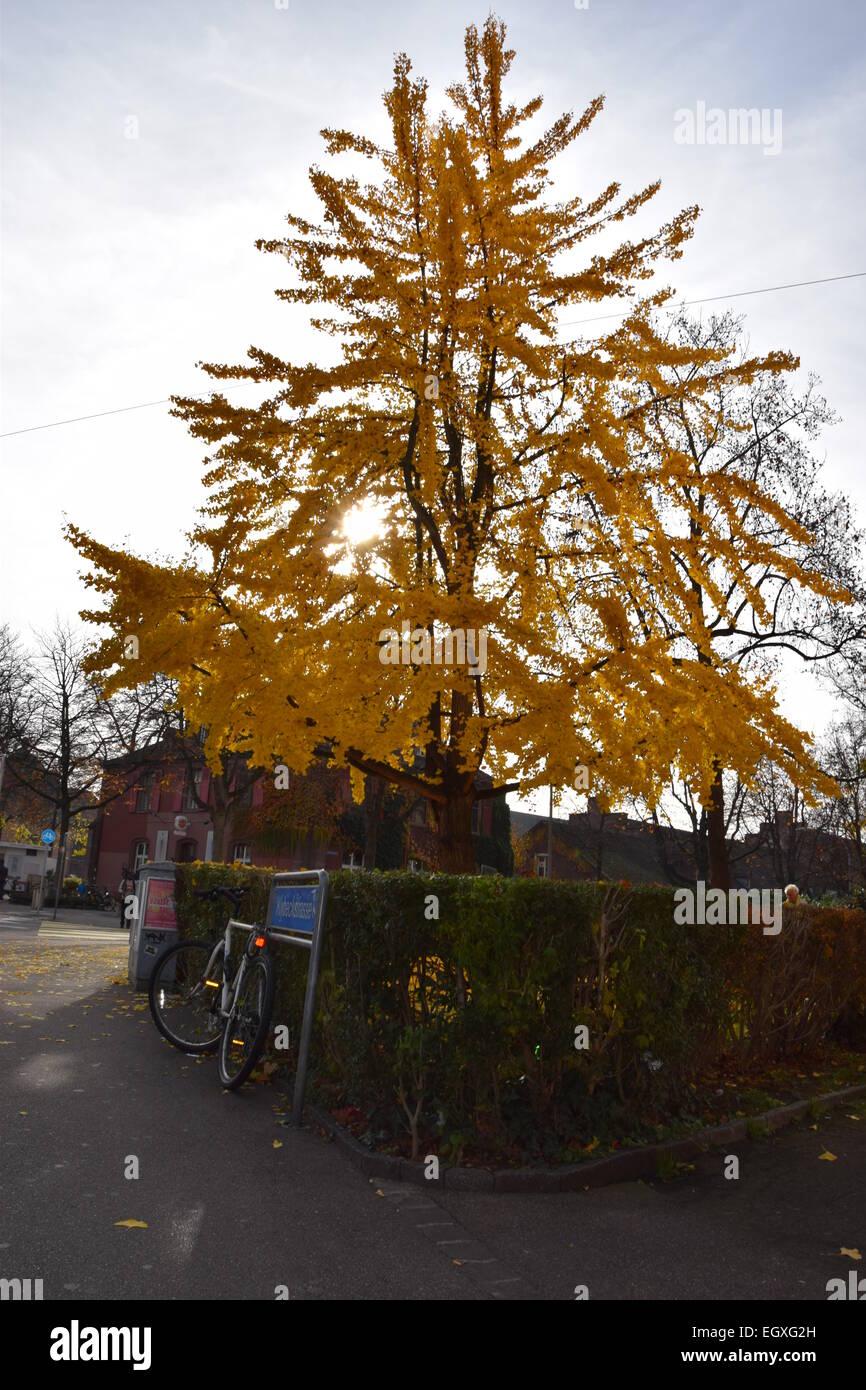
247	1027
184	1001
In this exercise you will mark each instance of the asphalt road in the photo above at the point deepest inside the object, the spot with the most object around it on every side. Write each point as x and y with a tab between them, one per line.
238	1205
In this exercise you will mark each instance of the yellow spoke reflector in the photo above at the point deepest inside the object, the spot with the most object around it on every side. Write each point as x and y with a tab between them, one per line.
239	1041
214	984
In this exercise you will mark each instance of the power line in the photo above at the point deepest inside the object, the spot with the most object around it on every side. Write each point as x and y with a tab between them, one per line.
54	424
740	294
711	299
99	414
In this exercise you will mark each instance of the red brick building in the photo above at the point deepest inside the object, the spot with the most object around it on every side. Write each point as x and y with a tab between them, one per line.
142	825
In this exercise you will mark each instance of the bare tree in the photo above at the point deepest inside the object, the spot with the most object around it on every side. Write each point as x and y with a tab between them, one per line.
230	786
758	432
17	698
843	751
66	735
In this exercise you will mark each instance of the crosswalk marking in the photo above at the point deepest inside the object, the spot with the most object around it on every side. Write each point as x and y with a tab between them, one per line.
84	931
83	934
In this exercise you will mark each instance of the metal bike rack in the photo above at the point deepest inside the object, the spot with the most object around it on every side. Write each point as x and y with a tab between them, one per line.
296	915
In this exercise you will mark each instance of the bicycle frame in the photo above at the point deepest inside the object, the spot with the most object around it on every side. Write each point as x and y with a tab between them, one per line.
230	988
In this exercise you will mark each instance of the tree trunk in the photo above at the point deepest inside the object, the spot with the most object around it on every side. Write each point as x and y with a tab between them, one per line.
61	859
454	824
719	867
374	800
454	814
219	819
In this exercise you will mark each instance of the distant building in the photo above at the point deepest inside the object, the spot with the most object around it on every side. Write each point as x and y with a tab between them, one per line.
592	845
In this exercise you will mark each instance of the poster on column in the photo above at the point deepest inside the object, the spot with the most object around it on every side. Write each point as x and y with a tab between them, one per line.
159	906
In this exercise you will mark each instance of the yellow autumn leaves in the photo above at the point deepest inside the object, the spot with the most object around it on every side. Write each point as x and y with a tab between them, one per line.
453	265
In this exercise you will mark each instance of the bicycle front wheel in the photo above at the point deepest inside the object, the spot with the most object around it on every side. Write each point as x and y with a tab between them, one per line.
247	1027
184	999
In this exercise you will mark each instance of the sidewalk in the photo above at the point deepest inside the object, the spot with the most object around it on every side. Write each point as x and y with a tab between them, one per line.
237	1203
13	914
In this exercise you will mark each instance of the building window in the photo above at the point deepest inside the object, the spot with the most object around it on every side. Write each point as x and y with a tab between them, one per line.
144	792
415	866
240	854
351	860
541	865
139	854
186	852
419	813
192	791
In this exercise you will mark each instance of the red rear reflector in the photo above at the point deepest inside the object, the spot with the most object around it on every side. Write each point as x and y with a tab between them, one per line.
260	941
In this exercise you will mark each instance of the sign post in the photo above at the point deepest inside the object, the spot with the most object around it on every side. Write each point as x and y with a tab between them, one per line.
296	915
47	837
60	866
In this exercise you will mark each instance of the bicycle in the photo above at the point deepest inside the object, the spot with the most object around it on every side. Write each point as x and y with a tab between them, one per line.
202	1002
99	898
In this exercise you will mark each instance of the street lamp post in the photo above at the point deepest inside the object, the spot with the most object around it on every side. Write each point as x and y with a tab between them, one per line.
550	836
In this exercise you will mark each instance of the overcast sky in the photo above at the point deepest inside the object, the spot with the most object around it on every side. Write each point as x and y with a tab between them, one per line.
147	145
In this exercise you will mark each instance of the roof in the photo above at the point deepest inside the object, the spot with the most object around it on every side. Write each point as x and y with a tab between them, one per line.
524	820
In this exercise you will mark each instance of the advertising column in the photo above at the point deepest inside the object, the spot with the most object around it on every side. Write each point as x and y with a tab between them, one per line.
155	927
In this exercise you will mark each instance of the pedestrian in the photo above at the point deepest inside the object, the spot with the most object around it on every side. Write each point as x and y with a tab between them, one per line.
126	886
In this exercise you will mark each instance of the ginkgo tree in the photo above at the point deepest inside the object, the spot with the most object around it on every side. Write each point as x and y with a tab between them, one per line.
494	454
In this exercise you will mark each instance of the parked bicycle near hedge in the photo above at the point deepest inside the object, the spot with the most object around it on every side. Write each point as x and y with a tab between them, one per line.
202	1001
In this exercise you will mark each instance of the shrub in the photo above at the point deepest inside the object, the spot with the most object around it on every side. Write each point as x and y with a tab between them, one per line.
461	1029
787	991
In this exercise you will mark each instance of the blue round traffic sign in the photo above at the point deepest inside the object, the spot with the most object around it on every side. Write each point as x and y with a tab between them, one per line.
48	837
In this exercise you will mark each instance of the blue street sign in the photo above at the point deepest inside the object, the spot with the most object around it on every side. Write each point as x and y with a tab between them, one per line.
297	905
293	907
48	837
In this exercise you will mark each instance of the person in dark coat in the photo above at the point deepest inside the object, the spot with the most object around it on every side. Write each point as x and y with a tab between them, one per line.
126	886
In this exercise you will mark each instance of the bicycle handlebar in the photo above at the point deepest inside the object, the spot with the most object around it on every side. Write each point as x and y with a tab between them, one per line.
221	890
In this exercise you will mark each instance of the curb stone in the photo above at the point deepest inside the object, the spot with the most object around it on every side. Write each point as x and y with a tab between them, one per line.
629	1165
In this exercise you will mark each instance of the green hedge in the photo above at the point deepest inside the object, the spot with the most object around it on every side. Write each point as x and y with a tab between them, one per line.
464	1027
461	1030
